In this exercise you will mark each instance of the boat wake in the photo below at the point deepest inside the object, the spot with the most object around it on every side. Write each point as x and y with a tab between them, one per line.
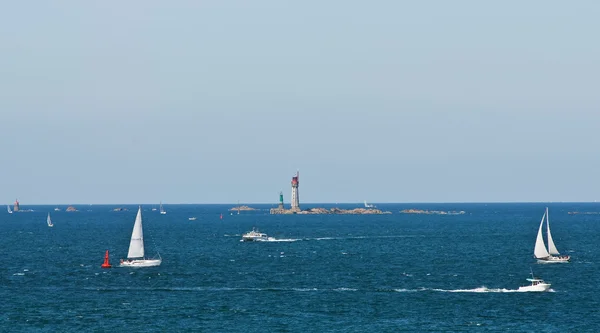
218	289
273	239
479	290
482	289
360	237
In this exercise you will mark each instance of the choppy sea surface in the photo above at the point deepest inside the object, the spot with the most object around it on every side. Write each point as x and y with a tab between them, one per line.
319	273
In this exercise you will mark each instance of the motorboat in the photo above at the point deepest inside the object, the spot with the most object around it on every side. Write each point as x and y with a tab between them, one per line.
536	285
254	235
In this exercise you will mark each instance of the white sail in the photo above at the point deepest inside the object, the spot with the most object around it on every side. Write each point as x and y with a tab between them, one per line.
136	246
162	210
8	208
49	221
551	247
540	248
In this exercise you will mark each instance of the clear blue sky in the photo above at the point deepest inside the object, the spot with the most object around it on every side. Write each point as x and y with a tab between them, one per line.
220	101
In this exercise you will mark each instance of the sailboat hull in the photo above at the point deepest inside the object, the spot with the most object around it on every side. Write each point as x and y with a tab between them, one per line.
552	259
140	262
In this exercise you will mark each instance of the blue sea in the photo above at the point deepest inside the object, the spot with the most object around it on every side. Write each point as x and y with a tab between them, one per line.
321	273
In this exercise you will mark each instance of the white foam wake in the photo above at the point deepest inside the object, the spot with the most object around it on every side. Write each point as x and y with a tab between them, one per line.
482	289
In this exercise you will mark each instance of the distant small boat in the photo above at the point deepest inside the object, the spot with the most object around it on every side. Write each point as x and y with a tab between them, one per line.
192	218
57	209
367	205
49	221
135	256
254	236
162	210
536	285
540	252
8	208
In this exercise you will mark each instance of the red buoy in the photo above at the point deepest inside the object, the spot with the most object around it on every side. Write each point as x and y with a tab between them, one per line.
106	264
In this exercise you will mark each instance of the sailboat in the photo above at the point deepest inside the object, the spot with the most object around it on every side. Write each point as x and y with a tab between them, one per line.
49	221
8	208
551	254
135	256
162	210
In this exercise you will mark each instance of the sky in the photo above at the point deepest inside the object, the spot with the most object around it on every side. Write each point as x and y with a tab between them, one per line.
220	101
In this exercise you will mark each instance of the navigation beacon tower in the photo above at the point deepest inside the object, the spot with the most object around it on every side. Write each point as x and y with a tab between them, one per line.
281	201
16	206
295	198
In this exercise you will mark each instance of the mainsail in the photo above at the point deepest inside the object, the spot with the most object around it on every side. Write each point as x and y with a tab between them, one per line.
49	221
540	248
136	246
551	247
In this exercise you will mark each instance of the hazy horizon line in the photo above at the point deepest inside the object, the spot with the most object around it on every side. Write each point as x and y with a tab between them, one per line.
307	203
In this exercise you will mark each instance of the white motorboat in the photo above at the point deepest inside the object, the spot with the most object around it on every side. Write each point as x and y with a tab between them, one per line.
551	254
536	285
135	256
192	218
254	236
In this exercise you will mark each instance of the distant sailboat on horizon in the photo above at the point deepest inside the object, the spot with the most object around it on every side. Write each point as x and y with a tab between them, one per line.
8	208
49	221
162	210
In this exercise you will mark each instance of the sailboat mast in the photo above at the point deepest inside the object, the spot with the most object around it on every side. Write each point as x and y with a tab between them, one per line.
551	247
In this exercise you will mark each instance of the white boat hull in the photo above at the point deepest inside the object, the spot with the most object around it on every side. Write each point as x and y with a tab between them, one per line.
140	262
537	287
552	259
255	239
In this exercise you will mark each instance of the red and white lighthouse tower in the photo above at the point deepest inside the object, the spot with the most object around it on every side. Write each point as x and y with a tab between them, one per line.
295	198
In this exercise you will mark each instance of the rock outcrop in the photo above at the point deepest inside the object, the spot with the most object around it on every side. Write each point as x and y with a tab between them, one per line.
242	208
437	212
355	211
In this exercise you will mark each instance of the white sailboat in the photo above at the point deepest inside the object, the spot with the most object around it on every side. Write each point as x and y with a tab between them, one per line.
135	256
550	254
8	208
162	210
368	205
49	221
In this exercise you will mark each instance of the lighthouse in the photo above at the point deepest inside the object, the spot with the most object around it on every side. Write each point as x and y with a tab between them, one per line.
295	198
16	206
